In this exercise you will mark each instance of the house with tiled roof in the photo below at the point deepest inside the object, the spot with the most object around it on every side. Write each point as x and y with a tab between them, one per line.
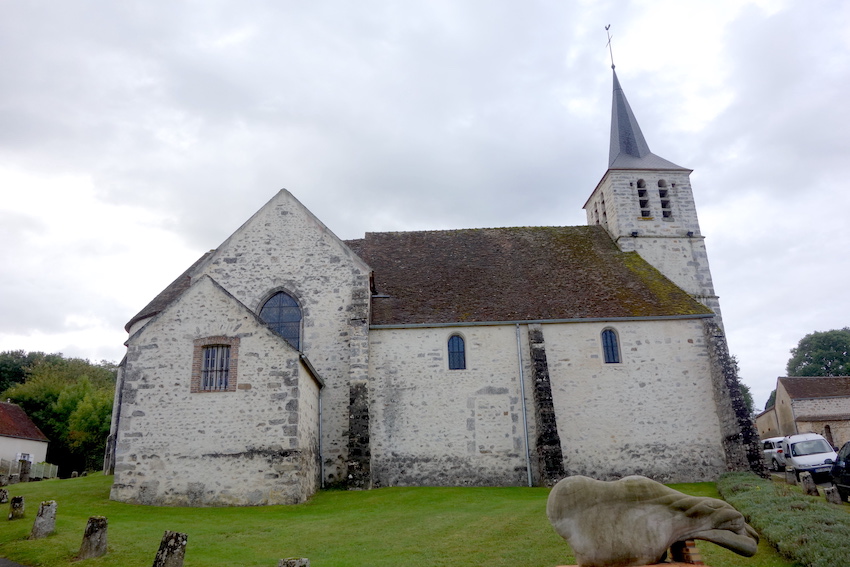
287	359
809	404
20	438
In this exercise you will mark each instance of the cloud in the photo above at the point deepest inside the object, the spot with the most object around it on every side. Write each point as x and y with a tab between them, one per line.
137	136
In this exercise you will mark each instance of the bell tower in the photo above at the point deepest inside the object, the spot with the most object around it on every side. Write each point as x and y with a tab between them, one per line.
647	206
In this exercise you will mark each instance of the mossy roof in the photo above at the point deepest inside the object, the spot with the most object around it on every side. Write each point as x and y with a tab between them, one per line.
802	387
513	274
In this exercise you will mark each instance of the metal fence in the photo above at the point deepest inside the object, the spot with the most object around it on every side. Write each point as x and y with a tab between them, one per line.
38	471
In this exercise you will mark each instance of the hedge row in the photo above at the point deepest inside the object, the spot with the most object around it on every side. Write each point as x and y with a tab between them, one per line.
806	529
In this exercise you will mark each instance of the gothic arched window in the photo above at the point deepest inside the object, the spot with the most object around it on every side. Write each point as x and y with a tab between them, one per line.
457	353
610	348
282	314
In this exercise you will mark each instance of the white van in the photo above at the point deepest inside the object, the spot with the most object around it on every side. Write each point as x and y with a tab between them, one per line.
774	454
808	452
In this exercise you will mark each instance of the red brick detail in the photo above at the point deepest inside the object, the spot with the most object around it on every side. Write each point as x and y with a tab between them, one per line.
198	361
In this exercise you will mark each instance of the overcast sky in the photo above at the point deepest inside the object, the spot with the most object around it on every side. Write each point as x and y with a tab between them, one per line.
134	136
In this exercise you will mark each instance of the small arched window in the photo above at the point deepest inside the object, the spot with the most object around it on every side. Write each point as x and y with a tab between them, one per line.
610	348
457	353
662	183
282	314
641	183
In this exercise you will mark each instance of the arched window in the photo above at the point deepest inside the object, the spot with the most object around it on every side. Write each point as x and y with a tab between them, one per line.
283	315
610	348
457	353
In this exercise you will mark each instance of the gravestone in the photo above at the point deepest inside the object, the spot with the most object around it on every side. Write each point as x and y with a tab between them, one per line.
16	508
94	539
4	495
294	562
790	476
4	480
832	496
45	520
24	470
809	486
172	549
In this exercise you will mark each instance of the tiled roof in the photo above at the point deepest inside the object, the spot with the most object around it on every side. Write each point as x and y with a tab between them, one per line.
831	417
14	422
513	274
801	387
167	295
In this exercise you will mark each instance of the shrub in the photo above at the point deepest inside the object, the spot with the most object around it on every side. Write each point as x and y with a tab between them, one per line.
803	528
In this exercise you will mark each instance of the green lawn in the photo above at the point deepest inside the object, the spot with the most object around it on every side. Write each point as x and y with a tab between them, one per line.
392	527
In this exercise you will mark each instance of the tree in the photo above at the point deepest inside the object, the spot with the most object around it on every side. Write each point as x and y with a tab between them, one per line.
746	393
16	364
824	353
771	400
70	400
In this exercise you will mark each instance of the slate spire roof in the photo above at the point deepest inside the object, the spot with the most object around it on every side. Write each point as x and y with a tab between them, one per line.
629	149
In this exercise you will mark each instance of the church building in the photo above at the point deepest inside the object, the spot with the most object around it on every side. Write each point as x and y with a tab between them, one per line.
286	359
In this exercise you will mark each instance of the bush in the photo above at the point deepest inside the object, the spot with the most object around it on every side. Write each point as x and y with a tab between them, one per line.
803	528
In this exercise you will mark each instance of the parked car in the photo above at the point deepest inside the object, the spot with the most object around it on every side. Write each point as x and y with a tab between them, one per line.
774	457
809	452
841	472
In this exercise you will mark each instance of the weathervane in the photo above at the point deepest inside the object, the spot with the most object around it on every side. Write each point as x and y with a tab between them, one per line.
610	50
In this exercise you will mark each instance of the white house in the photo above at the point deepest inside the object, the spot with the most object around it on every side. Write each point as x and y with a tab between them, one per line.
20	438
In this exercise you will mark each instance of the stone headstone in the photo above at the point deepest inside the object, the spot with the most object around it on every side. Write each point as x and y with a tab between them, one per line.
4	495
172	549
634	520
16	508
24	470
94	539
809	486
790	476
74	474
14	478
294	562
45	520
832	496
4	480
84	473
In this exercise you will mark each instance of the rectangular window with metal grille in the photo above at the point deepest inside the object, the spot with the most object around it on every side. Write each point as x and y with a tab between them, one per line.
216	368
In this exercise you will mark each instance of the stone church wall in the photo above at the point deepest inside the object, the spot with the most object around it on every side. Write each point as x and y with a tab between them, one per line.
284	247
646	415
435	426
256	443
431	425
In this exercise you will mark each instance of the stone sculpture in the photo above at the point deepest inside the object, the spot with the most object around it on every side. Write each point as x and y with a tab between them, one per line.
633	521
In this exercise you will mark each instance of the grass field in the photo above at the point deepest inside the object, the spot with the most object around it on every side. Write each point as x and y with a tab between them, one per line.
392	527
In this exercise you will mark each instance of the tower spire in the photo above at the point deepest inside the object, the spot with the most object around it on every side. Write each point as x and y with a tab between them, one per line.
629	149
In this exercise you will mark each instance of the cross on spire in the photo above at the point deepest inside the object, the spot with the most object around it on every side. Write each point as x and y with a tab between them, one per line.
610	50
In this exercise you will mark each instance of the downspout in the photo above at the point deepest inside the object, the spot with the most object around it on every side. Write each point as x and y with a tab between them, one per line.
524	412
321	457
